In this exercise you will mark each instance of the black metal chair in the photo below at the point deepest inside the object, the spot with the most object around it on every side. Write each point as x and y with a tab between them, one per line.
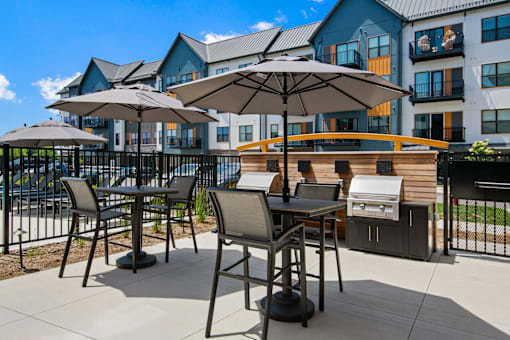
85	204
326	192
243	218
181	202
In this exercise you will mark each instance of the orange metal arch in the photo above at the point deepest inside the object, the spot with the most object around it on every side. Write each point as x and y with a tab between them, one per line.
396	139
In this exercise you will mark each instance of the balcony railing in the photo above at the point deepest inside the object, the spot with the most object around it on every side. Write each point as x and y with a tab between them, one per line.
437	91
379	129
451	134
349	58
186	144
93	122
437	47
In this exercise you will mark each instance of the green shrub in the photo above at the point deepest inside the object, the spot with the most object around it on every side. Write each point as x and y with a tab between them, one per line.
201	206
479	148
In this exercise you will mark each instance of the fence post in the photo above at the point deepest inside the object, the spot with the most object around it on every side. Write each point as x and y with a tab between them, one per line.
215	171
161	169
446	200
76	162
5	198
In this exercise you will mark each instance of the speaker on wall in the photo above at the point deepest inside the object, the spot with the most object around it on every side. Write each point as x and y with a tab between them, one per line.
303	165
341	167
272	165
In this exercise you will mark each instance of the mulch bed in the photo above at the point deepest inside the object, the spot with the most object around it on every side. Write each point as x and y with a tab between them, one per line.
50	255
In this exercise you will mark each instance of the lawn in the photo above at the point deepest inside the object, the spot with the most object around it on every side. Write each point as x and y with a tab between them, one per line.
478	215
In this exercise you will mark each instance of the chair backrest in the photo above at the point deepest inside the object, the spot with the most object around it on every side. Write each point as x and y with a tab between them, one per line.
242	213
82	195
184	185
317	191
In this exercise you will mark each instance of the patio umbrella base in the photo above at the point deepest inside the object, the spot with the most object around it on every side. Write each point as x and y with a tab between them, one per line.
143	260
287	308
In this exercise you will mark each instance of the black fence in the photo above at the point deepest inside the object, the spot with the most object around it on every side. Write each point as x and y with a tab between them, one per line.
477	202
34	201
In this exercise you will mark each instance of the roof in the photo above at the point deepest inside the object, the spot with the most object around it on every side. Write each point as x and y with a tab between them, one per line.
147	70
420	9
114	72
75	82
293	38
199	47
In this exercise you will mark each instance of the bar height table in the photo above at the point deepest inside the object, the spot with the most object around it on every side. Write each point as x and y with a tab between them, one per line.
141	259
285	304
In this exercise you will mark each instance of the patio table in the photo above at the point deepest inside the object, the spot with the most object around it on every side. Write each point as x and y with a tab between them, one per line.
139	193
285	305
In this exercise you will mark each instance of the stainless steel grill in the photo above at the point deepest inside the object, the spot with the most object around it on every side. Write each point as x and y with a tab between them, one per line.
375	197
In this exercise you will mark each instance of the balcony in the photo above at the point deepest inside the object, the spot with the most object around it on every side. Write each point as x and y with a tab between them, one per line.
94	122
437	91
436	48
451	134
349	58
186	144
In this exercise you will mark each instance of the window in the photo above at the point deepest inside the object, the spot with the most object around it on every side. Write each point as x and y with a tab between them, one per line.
187	137
274	130
244	65
421	125
494	75
221	70
347	53
222	134
379	46
146	138
379	124
294	129
434	83
117	139
186	78
496	28
350	124
134	138
171	136
160	140
245	133
496	121
171	81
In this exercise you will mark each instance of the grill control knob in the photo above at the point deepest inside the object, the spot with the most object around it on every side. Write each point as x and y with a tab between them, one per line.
381	207
362	206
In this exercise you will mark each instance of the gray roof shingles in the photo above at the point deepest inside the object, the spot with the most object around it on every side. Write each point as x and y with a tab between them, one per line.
293	38
147	70
75	82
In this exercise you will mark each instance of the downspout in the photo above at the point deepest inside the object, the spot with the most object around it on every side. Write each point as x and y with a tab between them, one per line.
400	80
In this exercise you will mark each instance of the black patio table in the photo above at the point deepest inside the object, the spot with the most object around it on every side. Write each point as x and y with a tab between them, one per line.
142	259
285	305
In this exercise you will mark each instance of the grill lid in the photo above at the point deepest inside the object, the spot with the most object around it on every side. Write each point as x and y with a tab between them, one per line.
376	187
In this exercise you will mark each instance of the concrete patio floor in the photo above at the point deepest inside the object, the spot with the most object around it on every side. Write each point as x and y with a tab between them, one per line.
463	296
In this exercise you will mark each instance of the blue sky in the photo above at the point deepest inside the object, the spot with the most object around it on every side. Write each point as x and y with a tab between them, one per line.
45	43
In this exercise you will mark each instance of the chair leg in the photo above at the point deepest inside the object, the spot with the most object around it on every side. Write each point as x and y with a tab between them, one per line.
74	221
91	254
298	267
246	283
169	227
321	264
335	237
167	240
302	276
106	255
192	229
269	294
214	289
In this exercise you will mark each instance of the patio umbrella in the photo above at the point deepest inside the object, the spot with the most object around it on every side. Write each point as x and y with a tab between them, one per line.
289	86
137	102
49	133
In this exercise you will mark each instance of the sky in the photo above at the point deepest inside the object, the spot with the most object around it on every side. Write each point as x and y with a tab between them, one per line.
45	44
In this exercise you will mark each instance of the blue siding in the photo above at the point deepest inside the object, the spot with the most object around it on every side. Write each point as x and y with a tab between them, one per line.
359	20
184	60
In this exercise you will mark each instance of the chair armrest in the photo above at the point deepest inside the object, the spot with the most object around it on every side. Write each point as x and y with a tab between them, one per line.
291	231
115	206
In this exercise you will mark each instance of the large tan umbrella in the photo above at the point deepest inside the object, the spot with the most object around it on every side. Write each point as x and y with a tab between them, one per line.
290	86
139	103
49	133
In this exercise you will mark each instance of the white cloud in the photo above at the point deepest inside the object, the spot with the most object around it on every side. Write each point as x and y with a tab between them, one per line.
304	13
4	92
213	37
318	1
281	18
262	25
313	10
50	86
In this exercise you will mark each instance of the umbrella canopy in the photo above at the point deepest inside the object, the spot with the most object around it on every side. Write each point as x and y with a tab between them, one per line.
49	133
137	102
290	86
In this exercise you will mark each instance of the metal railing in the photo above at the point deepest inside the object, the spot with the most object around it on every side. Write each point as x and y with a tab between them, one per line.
451	134
34	200
437	47
349	58
94	122
437	91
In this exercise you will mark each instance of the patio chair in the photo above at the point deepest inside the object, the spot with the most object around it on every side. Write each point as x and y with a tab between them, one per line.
179	202
326	192
244	218
85	204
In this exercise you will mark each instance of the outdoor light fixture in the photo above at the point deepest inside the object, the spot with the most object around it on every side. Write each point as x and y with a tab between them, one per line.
19	232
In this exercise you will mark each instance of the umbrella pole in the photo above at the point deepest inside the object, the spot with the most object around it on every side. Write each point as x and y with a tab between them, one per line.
139	152
286	190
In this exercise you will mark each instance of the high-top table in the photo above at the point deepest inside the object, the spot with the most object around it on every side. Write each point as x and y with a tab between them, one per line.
141	259
285	305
